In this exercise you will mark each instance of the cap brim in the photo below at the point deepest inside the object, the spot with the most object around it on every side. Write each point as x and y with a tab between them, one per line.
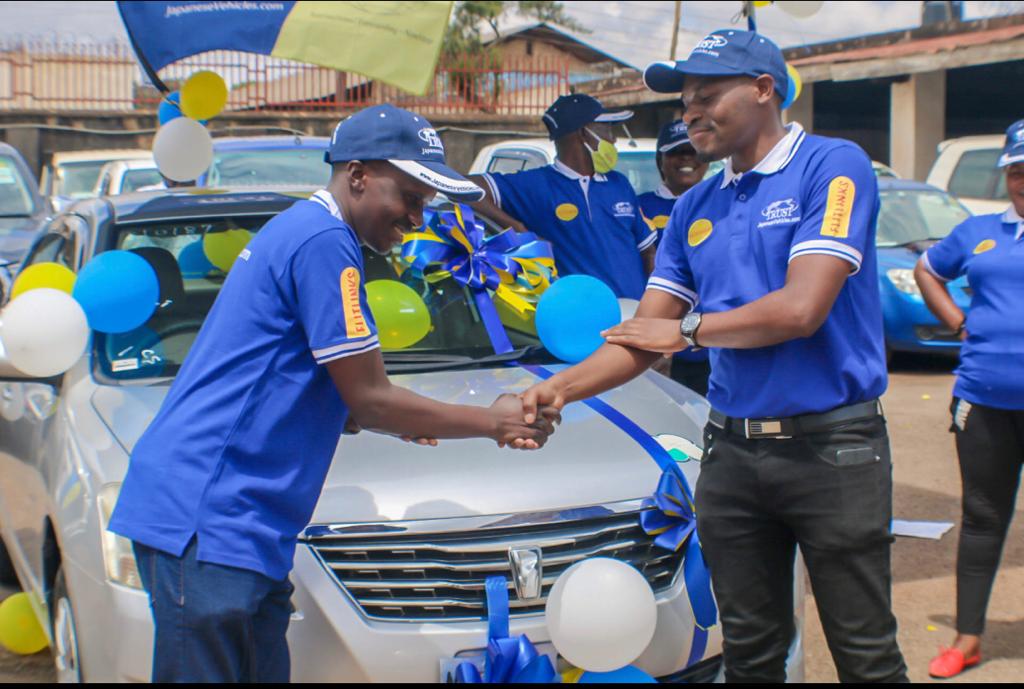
442	178
667	77
673	144
1008	159
619	116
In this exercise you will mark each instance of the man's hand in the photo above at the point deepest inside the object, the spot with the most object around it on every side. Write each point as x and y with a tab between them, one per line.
510	427
651	334
546	394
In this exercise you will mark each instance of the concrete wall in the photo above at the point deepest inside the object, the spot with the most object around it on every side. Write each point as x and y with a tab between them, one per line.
918	123
38	134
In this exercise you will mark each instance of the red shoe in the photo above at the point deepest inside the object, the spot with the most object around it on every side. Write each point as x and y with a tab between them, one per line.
951	662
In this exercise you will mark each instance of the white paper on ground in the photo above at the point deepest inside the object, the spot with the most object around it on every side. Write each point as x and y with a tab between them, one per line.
915	529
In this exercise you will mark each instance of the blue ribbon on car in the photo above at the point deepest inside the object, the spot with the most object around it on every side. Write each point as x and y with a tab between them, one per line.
512	660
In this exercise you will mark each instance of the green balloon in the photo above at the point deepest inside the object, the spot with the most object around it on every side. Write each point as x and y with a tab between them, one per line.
401	315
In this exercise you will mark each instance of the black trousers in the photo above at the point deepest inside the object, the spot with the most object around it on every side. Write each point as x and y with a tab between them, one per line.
990	446
692	374
830	494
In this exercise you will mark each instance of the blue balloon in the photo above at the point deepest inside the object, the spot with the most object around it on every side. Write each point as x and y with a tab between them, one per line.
170	109
626	675
571	315
118	291
193	261
790	93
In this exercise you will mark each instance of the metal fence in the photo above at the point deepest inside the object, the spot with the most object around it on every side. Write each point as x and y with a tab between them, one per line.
50	75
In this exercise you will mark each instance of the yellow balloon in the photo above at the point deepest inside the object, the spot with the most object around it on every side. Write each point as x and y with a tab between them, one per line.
20	631
204	95
52	275
798	83
222	248
401	315
762	3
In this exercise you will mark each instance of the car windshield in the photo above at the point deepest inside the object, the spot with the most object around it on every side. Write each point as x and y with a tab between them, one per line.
456	338
269	167
914	215
15	193
77	180
642	171
136	179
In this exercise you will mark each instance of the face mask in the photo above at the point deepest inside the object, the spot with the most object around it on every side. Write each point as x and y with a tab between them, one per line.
606	155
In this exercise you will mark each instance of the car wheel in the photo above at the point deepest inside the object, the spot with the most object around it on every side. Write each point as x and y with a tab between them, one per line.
65	635
8	577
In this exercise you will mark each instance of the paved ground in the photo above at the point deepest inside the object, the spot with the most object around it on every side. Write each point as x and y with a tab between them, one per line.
927	486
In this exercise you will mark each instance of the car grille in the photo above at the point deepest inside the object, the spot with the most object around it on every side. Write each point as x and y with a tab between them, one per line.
440	576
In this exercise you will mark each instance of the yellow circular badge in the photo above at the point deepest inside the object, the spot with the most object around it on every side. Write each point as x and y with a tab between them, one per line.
699	231
985	245
567	212
659	222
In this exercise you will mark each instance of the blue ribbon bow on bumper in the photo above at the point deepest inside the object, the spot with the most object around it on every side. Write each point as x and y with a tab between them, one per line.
509	659
516	266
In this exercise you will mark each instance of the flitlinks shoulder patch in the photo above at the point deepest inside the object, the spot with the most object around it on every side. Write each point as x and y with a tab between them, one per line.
839	209
355	322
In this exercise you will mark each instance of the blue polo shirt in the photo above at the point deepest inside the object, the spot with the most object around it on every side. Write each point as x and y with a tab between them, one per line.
593	223
656	207
238	453
989	250
729	242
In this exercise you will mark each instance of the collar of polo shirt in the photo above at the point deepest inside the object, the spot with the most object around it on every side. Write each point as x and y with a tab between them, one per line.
572	174
1012	216
665	193
776	160
326	199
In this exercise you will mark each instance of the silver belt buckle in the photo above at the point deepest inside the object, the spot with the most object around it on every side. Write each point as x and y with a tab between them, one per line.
761	428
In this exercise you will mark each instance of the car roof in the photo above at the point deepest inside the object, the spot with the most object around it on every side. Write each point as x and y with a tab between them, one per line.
108	154
969	142
249	143
898	184
644	145
202	201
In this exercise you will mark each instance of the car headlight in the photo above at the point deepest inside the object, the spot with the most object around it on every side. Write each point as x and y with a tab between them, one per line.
903	280
118	556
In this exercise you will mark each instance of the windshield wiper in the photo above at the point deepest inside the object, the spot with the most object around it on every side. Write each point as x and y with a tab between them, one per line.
402	362
15	215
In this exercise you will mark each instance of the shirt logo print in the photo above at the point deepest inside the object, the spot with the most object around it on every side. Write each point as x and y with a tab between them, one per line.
699	231
839	208
566	212
623	208
780	212
352	309
984	245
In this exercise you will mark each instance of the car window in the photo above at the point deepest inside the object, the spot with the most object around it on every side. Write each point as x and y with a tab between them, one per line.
516	160
15	193
641	170
78	180
911	215
164	341
268	167
976	175
134	180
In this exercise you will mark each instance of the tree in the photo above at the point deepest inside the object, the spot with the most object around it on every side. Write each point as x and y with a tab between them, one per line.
463	34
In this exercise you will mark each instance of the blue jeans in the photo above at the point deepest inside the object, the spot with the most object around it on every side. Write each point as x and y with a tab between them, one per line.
214	623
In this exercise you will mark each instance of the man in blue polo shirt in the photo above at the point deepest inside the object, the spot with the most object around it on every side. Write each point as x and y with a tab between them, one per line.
681	169
582	206
229	471
771	263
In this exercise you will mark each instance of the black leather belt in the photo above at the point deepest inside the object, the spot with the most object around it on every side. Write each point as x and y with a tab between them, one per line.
795	425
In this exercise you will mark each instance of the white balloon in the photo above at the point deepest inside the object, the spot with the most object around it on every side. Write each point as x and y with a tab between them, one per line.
627	307
183	149
601	614
799	8
44	332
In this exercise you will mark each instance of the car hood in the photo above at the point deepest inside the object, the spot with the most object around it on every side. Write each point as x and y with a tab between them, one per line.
590	460
897	257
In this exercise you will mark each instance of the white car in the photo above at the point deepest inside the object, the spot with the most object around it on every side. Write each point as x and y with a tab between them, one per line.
72	175
966	168
126	176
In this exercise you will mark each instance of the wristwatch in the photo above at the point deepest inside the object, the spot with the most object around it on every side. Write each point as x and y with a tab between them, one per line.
688	328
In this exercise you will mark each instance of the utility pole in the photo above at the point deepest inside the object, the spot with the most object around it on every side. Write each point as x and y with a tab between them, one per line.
675	30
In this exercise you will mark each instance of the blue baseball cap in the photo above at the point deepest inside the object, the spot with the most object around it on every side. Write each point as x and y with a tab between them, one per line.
673	135
570	114
722	53
404	139
1013	150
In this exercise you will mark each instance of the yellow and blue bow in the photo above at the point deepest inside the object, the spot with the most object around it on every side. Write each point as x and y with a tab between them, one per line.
516	267
510	660
672	519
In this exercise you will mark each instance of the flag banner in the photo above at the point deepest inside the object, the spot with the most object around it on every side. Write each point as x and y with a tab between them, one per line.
395	42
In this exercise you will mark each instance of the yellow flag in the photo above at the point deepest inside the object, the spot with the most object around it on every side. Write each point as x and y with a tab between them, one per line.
395	42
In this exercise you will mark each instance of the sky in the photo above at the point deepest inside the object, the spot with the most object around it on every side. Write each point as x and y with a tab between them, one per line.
635	32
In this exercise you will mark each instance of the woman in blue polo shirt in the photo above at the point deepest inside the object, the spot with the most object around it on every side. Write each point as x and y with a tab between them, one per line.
988	398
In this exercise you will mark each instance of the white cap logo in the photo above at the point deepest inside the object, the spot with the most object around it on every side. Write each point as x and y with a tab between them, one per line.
429	136
710	43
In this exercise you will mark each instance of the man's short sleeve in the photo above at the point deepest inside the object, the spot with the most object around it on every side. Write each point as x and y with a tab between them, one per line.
511	193
838	217
329	296
672	272
947	260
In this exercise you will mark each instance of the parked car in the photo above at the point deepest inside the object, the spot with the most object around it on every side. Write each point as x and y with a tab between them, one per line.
389	575
22	209
72	175
126	176
966	168
264	161
913	216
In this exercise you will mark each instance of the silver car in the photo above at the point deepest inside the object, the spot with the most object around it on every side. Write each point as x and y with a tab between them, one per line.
389	575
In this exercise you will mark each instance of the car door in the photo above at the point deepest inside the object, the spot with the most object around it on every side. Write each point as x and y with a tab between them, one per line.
26	423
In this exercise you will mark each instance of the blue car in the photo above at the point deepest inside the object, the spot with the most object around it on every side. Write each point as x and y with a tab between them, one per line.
267	161
22	209
913	216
